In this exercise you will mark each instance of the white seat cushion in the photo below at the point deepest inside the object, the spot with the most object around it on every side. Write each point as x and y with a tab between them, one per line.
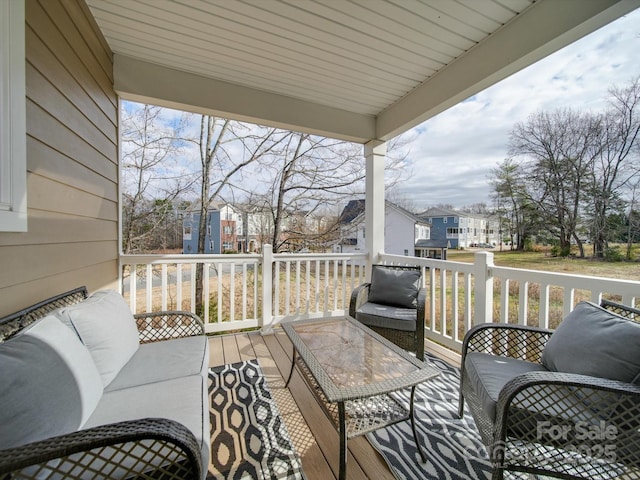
182	399
165	360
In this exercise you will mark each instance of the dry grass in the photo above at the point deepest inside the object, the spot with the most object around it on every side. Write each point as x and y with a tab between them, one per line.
541	259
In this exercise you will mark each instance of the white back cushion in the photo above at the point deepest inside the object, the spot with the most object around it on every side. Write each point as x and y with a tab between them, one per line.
50	385
106	326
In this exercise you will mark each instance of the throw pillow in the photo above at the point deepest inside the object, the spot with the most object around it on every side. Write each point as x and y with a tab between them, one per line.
594	341
395	286
106	326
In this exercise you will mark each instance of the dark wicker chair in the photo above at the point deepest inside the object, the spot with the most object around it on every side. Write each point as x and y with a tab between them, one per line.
159	448
393	305
565	425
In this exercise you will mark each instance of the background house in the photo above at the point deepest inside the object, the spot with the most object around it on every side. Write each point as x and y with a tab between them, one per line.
460	229
405	233
224	229
258	227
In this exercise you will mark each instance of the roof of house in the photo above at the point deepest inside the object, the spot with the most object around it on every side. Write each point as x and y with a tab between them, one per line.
355	208
443	212
422	243
351	211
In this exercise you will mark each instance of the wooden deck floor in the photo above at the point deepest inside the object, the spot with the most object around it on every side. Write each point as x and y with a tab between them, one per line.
312	434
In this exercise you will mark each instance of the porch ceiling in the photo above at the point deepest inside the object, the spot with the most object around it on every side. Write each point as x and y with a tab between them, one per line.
357	70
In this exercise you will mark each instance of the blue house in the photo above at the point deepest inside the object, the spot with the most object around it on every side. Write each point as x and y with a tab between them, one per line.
224	228
461	229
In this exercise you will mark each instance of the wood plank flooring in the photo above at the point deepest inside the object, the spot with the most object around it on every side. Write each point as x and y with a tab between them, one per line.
312	434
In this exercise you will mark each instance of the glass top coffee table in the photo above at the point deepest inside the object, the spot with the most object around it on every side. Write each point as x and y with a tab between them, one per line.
351	371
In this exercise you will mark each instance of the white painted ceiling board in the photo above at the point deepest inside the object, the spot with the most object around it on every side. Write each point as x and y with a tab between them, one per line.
361	56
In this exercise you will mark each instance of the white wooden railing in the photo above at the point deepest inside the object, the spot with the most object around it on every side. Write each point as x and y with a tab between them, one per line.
245	290
259	291
460	295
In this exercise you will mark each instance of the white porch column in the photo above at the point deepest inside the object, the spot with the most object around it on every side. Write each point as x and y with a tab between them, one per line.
483	265
267	290
375	152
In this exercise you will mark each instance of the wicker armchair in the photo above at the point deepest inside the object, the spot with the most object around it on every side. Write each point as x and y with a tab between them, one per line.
393	305
145	448
538	404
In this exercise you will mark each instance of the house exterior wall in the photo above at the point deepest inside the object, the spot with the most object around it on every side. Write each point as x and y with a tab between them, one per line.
224	229
439	226
399	233
72	161
462	231
191	229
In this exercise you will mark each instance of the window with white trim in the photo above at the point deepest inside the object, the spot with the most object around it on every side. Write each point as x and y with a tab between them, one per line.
13	149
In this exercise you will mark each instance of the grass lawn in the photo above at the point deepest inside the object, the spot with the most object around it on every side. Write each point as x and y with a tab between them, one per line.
541	259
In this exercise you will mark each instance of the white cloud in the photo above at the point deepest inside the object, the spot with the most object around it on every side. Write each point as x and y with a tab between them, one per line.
453	153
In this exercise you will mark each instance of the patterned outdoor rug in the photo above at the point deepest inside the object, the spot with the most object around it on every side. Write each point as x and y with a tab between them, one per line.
248	437
453	446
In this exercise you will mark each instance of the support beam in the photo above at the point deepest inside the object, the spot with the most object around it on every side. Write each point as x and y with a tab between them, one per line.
146	82
375	153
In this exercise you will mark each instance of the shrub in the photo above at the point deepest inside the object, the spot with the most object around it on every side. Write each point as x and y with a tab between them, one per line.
613	254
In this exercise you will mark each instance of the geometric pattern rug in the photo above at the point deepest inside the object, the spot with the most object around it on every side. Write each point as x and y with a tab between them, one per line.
452	445
249	439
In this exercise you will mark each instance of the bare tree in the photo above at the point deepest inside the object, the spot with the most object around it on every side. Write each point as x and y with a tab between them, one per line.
633	220
151	177
616	164
226	148
558	149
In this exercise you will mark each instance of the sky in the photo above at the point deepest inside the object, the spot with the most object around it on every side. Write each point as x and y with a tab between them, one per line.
454	153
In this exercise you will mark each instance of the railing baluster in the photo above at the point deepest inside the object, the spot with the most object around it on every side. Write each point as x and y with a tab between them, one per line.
256	267
244	291
326	285
335	284
220	279
345	300
454	305
504	300
205	292
523	302
232	293
443	301
543	313
468	321
308	285
297	286
149	292
193	288
179	286
164	286
317	296
133	286
287	288
276	285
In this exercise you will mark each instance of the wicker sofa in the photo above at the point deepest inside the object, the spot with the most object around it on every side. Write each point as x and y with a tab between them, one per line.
562	403
91	391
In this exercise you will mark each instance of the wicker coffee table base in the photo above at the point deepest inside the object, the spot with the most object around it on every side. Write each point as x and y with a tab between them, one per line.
355	417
